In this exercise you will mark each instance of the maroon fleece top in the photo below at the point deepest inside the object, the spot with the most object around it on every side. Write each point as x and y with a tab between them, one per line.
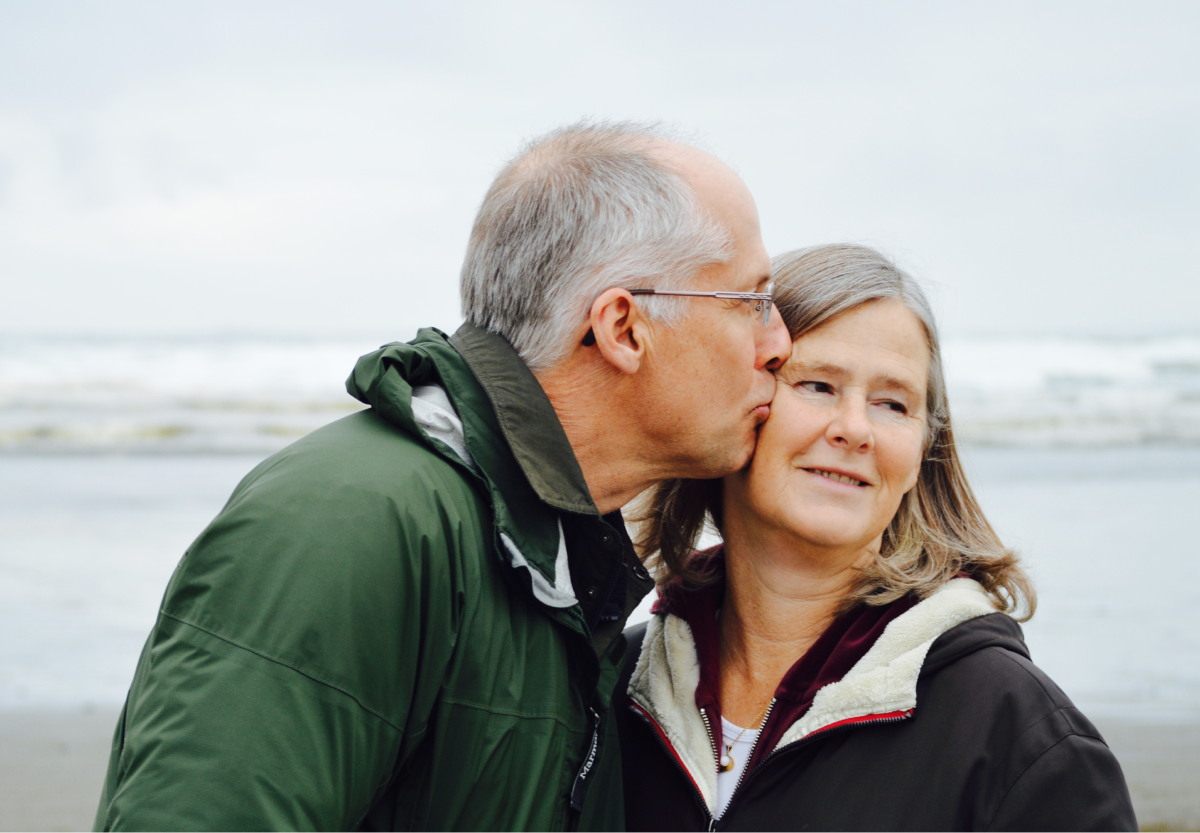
834	653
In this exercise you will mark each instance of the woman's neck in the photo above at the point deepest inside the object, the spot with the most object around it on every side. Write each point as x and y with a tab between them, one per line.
780	597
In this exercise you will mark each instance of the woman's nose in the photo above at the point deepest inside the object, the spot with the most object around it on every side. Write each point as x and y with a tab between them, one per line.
851	427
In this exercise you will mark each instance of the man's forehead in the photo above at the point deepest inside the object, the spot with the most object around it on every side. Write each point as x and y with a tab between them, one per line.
723	195
714	183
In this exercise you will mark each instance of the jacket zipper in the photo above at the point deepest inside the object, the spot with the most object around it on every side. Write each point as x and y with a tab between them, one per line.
589	761
712	738
670	750
753	746
849	723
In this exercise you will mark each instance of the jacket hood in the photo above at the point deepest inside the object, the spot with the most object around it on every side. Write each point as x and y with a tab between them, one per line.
399	381
881	685
427	389
995	631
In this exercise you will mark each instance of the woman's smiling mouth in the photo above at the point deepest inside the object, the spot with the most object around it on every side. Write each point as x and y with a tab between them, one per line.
837	477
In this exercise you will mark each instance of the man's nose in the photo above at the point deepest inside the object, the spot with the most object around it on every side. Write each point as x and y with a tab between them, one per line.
774	343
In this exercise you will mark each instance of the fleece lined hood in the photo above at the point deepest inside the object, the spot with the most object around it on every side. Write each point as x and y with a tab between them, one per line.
882	684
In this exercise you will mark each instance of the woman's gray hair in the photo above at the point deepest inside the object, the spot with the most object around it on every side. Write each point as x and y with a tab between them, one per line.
582	209
939	530
817	284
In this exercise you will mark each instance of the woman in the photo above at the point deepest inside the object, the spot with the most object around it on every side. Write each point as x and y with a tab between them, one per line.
847	659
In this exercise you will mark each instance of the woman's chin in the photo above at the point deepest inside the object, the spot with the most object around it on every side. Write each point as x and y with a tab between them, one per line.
833	537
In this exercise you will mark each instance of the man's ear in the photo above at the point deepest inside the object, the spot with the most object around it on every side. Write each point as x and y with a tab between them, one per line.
618	330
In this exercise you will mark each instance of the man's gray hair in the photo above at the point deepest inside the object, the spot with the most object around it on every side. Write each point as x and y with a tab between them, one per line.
582	209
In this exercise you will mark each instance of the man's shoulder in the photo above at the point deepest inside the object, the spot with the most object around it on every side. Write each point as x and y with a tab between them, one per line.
353	505
359	492
362	452
332	544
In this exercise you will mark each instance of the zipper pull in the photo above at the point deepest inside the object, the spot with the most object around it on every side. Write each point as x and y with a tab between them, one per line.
589	762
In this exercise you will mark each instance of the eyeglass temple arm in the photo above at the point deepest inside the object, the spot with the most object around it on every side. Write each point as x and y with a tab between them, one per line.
754	296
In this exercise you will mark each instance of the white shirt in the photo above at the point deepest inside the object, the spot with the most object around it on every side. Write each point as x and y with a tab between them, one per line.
727	781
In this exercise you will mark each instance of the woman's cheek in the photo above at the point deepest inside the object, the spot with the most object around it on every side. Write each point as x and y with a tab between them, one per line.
913	453
902	456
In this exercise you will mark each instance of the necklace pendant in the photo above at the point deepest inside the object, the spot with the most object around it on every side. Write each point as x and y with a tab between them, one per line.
727	762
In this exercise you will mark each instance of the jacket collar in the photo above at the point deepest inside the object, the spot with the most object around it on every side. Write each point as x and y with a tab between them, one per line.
847	639
529	533
882	683
527	419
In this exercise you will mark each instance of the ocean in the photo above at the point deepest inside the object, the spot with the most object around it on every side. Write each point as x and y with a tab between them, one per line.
115	453
257	394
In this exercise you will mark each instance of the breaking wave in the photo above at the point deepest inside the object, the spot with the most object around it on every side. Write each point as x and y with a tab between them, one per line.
256	395
1075	392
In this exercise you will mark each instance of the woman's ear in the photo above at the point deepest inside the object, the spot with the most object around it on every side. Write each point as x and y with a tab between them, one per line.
618	330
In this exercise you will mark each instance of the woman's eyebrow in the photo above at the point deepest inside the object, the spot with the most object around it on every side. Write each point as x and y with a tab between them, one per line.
893	383
883	380
824	369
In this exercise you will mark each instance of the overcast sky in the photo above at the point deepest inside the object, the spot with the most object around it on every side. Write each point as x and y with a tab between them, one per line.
303	167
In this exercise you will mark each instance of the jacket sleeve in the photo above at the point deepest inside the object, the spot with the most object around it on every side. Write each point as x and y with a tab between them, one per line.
294	663
1075	784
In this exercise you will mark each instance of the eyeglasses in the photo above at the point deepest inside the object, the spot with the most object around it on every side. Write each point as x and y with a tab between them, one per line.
764	298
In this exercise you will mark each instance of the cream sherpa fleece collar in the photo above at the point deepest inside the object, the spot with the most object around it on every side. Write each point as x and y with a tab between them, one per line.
664	681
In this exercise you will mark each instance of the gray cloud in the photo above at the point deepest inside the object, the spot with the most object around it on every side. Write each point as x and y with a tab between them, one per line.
310	167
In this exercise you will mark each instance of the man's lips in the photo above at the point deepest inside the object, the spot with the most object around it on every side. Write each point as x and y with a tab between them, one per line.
762	412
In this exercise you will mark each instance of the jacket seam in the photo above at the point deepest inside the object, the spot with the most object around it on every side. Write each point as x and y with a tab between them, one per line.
1007	655
1072	732
285	664
507	712
1017	780
1049	696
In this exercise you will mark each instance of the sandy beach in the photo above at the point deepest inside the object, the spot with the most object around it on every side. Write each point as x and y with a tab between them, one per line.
87	544
52	767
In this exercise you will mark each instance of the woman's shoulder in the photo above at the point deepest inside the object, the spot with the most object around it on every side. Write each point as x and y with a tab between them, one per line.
984	694
983	666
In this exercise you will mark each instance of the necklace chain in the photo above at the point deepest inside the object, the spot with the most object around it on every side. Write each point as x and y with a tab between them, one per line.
727	762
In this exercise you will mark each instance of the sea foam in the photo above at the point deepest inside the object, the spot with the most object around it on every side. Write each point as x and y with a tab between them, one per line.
257	394
1076	392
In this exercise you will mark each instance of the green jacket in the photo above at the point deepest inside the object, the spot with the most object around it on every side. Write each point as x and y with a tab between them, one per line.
409	619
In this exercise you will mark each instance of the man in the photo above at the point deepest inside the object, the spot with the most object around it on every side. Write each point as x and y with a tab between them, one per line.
412	617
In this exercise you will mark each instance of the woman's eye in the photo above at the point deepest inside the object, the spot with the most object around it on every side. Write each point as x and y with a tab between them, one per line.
816	387
893	405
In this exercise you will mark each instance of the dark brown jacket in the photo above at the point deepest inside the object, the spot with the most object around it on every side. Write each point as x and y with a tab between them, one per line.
945	724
